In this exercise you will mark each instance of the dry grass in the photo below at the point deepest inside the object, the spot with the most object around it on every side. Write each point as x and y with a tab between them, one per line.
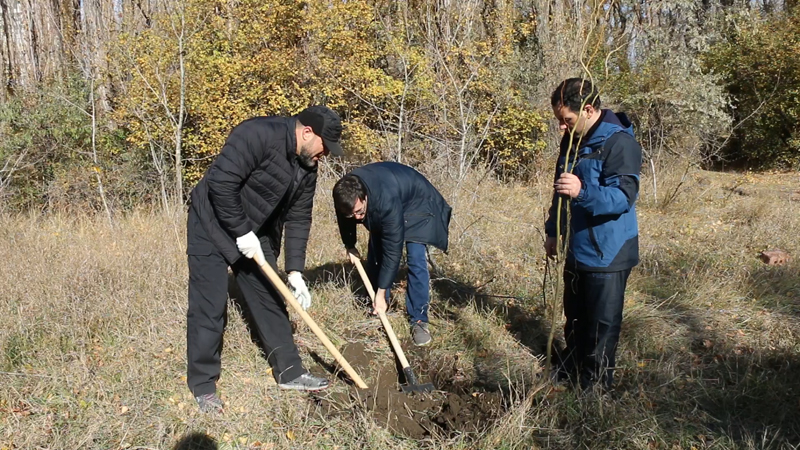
93	340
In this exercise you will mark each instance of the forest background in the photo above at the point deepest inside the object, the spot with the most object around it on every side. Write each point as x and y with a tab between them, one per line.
111	111
108	105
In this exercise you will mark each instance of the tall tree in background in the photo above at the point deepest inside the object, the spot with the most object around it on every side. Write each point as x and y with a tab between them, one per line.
454	84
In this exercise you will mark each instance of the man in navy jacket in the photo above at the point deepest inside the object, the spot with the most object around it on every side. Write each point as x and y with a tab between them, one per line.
597	178
398	206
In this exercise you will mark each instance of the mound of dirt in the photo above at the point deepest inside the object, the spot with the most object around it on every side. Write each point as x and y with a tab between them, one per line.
444	412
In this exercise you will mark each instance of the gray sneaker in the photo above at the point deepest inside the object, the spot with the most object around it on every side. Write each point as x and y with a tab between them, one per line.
420	334
210	403
306	382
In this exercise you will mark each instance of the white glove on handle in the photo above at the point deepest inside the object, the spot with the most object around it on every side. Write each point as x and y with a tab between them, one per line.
299	289
249	245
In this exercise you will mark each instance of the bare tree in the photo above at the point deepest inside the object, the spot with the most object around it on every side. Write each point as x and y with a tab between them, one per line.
91	113
164	80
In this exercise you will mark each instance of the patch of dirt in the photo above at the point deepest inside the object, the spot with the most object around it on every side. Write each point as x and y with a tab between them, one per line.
450	409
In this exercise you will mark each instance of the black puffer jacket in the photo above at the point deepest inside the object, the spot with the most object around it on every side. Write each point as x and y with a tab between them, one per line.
257	184
402	206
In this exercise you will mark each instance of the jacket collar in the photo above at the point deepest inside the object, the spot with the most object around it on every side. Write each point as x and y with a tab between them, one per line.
609	124
291	140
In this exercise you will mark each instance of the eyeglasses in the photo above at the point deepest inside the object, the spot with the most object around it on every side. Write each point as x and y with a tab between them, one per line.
361	211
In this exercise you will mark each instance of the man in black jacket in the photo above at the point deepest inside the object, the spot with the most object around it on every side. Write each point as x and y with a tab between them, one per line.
262	182
398	206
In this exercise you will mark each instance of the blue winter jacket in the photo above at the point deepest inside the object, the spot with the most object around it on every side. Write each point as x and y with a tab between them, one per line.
402	206
604	235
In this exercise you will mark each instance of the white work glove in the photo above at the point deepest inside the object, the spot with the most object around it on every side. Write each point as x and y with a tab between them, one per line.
249	245
299	289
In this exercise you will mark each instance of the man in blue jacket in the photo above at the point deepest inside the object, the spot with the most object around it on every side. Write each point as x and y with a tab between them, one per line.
597	178
398	206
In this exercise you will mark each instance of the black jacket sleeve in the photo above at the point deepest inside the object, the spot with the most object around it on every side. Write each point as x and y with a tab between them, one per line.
392	238
298	226
239	157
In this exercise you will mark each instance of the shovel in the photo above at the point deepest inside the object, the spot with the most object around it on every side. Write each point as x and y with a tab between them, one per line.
412	385
287	295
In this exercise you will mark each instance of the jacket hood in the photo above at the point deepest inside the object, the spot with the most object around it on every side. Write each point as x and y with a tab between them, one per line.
609	123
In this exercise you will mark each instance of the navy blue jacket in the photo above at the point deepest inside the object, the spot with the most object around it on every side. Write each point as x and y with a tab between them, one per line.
604	234
402	206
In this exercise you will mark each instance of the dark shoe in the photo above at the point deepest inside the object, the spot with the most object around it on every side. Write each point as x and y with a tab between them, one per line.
306	382
560	377
210	403
420	334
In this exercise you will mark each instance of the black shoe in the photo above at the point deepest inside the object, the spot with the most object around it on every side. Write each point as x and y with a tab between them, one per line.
306	382
560	377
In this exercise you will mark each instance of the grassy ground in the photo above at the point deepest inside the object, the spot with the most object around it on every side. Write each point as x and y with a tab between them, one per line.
92	331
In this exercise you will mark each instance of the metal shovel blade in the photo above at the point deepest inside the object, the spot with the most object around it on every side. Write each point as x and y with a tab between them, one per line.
412	385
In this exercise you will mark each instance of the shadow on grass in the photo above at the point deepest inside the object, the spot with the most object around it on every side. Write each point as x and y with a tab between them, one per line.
491	374
747	394
529	329
692	383
345	274
717	385
776	287
341	274
196	441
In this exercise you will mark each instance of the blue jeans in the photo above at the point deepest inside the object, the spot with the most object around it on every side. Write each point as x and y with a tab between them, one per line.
418	293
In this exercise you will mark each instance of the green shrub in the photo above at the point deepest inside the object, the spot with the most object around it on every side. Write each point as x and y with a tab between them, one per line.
761	70
46	153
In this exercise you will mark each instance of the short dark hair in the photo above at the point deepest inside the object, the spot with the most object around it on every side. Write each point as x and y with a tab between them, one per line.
345	192
575	93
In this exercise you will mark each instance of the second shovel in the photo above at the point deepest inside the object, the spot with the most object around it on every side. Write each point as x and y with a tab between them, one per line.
412	384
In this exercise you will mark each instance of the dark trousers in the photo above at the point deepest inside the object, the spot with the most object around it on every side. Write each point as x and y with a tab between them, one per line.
418	292
593	309
207	314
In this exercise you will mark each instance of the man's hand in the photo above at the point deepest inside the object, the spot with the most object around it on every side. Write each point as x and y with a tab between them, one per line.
379	303
351	251
299	289
250	246
550	244
568	184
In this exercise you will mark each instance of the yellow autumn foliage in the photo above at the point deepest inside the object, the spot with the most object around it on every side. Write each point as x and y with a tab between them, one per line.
383	67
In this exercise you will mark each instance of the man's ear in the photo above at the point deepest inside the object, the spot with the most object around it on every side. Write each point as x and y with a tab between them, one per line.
307	132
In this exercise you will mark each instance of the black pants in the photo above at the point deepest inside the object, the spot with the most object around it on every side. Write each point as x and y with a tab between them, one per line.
207	314
593	309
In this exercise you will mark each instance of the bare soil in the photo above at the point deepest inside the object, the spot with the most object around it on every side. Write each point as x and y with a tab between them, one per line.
449	410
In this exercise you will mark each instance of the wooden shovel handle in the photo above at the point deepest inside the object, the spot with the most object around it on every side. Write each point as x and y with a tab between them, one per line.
287	295
384	320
